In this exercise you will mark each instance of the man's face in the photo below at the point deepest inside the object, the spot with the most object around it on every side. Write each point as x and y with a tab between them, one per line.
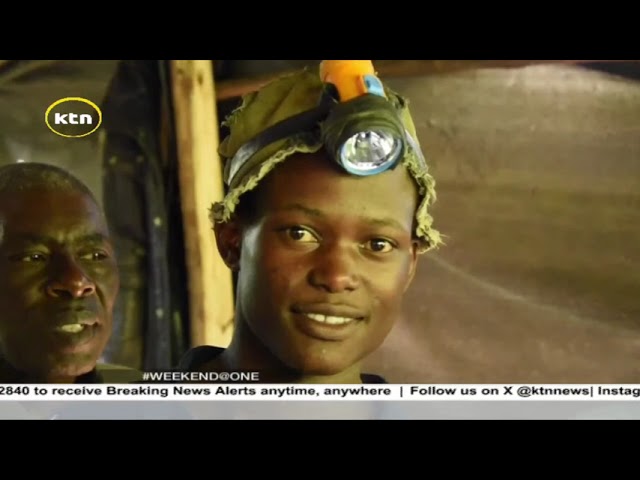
58	282
323	268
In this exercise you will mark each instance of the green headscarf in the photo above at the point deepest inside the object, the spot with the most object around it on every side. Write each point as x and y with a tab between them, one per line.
283	98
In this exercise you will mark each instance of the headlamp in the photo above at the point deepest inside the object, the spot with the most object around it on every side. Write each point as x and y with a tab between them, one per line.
364	135
355	121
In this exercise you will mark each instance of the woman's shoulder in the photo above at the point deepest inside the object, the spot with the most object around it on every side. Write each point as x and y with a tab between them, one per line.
372	378
196	357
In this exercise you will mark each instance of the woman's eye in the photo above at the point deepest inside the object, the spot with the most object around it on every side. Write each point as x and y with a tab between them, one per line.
300	234
379	245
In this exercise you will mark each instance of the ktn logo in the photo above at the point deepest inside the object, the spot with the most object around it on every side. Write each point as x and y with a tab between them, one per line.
73	117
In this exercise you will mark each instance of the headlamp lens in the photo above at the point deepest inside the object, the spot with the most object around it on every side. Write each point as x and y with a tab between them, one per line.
368	153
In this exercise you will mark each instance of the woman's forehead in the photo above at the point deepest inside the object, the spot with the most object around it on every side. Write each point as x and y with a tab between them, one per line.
314	181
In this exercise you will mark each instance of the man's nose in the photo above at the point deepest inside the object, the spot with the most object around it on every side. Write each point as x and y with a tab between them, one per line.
335	271
69	280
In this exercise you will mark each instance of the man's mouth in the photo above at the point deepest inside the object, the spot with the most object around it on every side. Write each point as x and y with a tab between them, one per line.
76	321
72	328
75	331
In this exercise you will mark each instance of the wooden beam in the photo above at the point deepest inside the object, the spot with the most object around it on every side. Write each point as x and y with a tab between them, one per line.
387	69
11	70
210	281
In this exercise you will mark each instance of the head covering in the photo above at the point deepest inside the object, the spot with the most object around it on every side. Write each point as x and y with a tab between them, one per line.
285	97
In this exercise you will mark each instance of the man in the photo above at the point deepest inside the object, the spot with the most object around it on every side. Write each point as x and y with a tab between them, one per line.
58	279
323	252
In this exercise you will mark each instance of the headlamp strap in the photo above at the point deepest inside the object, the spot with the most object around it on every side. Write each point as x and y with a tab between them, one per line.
303	122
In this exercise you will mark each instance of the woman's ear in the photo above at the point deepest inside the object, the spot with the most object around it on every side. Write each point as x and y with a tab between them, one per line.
229	239
413	266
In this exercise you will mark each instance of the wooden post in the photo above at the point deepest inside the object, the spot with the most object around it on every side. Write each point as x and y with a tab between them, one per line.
210	281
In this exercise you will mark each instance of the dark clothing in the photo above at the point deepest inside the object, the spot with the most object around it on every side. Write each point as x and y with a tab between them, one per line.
103	373
198	356
108	373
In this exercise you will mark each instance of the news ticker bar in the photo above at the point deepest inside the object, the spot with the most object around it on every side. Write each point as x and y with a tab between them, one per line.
264	392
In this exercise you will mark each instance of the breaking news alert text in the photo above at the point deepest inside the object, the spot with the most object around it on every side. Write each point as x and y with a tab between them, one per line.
268	392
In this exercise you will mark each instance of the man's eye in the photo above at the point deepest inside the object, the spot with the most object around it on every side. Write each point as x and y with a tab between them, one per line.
300	234
34	257
379	245
94	256
29	257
